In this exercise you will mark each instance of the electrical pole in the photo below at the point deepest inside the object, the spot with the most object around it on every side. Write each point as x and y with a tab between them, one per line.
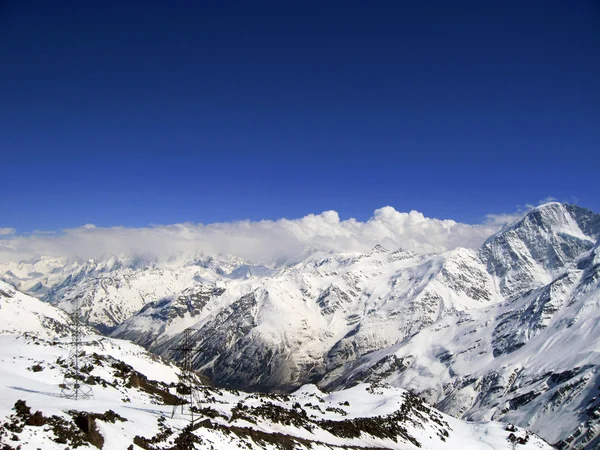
187	348
74	385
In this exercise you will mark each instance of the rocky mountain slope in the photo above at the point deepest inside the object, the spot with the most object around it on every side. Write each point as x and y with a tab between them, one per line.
137	400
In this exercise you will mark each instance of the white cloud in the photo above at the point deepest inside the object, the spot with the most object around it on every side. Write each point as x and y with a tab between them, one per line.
499	220
7	231
503	219
264	240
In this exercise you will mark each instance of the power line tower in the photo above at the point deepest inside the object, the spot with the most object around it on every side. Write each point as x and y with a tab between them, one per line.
74	385
187	347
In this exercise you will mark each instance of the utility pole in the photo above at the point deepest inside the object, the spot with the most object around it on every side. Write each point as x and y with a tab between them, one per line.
187	348
74	385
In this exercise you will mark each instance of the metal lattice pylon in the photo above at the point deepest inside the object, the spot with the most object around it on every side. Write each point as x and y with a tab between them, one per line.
74	385
187	377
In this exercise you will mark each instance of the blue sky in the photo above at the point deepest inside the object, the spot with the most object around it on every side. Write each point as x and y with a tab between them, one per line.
117	114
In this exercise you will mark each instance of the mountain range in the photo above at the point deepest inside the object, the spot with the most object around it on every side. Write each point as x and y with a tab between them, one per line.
507	331
138	401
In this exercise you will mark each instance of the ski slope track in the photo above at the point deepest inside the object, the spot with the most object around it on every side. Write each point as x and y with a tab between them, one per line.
134	394
503	332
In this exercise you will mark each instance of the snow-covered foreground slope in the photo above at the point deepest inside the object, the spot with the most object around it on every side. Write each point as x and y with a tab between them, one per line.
131	410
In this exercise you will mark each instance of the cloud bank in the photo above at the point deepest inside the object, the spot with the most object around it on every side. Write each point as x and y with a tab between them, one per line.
263	241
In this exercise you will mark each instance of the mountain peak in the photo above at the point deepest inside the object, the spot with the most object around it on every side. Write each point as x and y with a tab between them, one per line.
548	205
553	218
536	248
379	249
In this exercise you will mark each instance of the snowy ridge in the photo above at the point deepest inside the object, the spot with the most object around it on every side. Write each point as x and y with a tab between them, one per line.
20	313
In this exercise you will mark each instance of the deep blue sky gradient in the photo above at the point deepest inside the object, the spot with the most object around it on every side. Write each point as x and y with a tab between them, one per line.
132	113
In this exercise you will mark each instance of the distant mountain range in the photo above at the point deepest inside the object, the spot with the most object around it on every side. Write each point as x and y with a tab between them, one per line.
135	393
508	331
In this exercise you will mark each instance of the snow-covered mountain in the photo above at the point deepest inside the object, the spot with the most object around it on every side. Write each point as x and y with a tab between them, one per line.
111	290
291	327
18	310
538	248
134	393
534	360
477	331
